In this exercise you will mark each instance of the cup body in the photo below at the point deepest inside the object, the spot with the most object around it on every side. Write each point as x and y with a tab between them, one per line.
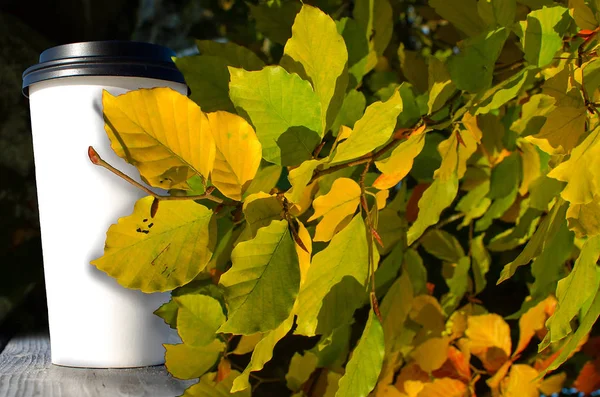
94	322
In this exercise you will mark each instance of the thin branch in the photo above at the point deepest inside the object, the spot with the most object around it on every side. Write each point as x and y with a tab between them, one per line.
97	160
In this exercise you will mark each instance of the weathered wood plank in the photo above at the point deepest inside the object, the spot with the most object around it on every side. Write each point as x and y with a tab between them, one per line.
26	371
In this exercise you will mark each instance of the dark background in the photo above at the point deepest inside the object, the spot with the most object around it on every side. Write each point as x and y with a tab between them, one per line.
26	29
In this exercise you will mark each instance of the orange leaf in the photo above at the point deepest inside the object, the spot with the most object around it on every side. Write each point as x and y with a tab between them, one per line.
490	340
427	312
410	372
444	387
412	207
456	367
521	382
532	321
589	377
494	381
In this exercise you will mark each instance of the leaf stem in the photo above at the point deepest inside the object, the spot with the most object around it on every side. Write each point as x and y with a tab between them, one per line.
97	160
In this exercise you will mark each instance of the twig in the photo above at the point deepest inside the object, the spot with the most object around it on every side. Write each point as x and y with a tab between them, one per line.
97	160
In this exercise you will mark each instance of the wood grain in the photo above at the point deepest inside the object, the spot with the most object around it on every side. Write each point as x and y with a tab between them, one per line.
26	371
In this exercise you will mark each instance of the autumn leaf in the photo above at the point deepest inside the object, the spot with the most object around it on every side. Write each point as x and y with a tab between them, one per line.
522	380
156	130
336	206
489	337
189	362
238	153
160	253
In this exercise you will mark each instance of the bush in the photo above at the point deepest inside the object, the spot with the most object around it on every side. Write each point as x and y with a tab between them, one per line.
358	200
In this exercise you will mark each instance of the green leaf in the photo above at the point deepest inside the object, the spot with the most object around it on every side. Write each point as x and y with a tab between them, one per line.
208	79
551	223
417	272
441	87
505	176
394	309
480	263
542	191
505	91
264	278
435	199
284	110
591	77
209	387
582	14
461	13
266	178
586	323
339	305
442	245
475	203
160	253
410	108
365	364
301	367
198	319
351	111
472	69
361	58
263	352
562	130
375	19
457	284
387	272
235	55
346	255
575	290
413	68
189	362
259	210
317	53
497	12
429	159
371	131
299	178
513	237
332	350
275	19
496	210
541	34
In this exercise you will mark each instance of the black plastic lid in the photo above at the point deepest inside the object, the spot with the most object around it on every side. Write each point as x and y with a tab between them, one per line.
104	58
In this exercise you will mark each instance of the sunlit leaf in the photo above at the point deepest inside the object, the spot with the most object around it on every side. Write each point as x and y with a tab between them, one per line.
444	387
505	91
264	279
400	161
283	108
209	387
160	253
198	318
541	34
189	362
317	52
521	381
584	220
263	352
247	343
562	131
441	87
431	354
480	264
365	364
371	131
533	114
155	130
346	255
532	321
340	203
489	337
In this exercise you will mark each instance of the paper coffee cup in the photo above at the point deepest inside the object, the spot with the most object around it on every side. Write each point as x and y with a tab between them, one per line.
94	322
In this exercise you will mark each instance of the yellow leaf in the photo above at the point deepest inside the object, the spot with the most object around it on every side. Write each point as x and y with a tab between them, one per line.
303	256
531	165
521	382
237	156
162	132
562	131
247	343
532	321
299	178
335	207
189	362
344	133
388	181
584	219
409	377
301	367
553	384
441	87
495	381
444	387
400	161
158	253
431	354
427	312
259	210
580	171
489	337
388	391
455	154
381	198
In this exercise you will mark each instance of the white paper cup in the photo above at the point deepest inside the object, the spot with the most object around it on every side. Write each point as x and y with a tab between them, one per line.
94	322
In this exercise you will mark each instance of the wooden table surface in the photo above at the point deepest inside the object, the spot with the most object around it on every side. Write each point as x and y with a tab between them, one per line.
26	371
